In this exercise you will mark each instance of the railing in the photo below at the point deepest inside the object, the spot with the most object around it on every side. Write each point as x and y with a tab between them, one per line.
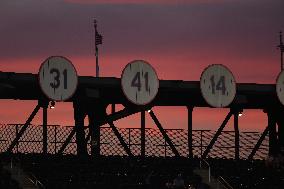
224	183
35	181
203	161
31	141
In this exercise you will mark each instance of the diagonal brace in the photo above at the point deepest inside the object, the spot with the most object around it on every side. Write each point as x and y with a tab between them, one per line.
112	117
66	142
120	138
212	142
166	137
256	147
21	132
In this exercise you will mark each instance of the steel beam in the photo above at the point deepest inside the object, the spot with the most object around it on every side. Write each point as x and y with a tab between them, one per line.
217	135
23	129
189	131
166	137
256	147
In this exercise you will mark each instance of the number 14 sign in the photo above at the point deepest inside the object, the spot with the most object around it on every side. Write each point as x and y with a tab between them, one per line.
218	86
139	82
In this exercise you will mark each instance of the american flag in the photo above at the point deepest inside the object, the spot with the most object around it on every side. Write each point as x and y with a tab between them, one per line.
281	46
98	37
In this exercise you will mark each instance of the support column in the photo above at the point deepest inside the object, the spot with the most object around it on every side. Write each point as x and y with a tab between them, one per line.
237	134
94	130
189	131
96	113
143	134
79	116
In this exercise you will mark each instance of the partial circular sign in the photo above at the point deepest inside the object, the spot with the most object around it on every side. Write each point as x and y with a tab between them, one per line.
58	78
139	82
280	87
218	86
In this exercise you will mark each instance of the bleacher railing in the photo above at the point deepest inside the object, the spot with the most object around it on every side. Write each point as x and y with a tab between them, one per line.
31	141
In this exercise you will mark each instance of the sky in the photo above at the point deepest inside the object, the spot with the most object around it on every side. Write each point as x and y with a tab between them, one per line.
179	38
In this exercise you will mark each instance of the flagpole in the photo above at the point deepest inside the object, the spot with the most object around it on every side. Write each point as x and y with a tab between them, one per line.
96	49
281	47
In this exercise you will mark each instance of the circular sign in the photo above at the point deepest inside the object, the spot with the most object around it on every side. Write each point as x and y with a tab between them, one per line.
280	87
58	78
139	82
218	86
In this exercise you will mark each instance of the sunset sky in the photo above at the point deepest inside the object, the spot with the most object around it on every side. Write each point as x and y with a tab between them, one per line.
179	38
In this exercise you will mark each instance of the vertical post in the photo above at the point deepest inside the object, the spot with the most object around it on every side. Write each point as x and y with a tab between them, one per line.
189	132
44	130
272	133
143	128
237	134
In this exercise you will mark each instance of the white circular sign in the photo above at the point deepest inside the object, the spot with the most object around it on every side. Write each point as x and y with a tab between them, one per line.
139	82
218	86
58	78
280	87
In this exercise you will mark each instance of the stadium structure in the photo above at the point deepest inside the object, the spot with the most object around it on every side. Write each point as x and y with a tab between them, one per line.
101	155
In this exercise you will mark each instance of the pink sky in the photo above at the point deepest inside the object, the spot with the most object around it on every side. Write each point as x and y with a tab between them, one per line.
179	39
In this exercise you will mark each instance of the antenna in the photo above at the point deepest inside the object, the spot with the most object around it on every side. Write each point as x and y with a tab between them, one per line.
98	41
281	47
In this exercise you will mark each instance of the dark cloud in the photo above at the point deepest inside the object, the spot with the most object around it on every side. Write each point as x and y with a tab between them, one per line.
33	29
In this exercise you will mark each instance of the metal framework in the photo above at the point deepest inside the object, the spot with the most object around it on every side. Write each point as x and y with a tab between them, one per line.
95	94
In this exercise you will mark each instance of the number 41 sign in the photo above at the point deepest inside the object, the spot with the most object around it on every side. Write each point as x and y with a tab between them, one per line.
58	78
139	82
218	86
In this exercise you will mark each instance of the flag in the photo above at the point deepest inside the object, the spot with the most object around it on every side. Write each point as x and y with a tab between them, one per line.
99	38
281	47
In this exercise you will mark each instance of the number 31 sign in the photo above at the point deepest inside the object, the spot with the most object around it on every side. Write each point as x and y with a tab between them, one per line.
58	78
139	82
218	86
